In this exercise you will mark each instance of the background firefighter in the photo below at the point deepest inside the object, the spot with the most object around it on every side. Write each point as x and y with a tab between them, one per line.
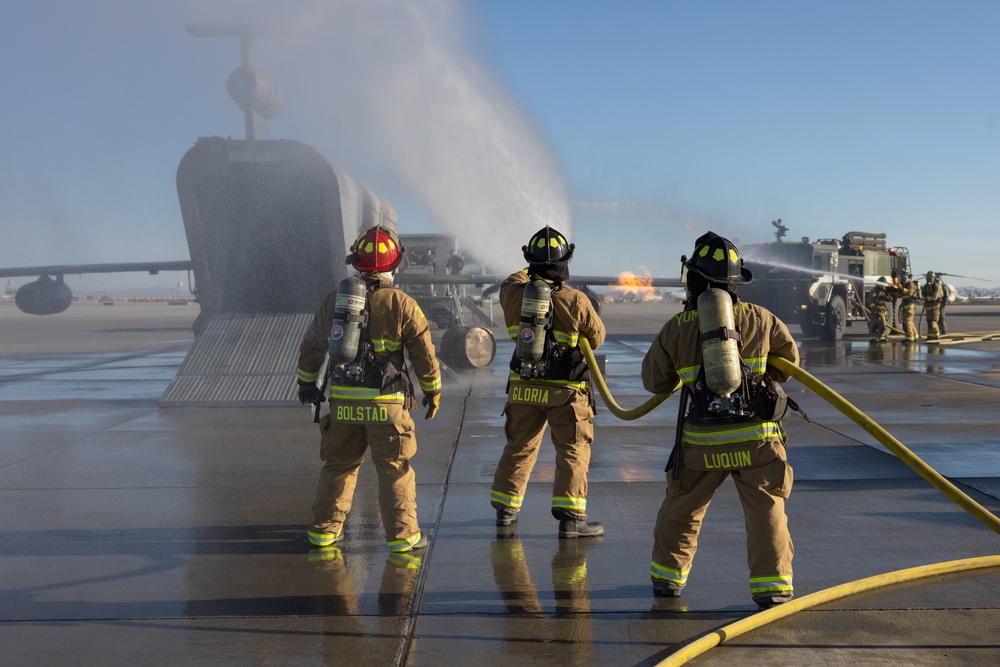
933	295
555	391
906	291
879	303
369	408
747	445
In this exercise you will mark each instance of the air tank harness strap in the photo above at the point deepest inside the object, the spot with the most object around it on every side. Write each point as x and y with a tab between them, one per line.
536	320
723	334
360	317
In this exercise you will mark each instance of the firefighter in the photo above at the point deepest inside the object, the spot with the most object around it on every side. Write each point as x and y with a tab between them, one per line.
879	303
549	383
933	296
946	294
370	397
716	340
906	291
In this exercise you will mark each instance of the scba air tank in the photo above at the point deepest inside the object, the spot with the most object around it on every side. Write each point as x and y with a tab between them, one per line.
348	318
719	347
536	314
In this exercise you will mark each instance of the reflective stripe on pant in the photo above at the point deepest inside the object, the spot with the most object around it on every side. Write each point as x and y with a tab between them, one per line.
572	432
343	451
763	480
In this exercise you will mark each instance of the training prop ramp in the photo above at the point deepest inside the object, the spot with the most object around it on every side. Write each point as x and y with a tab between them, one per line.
241	360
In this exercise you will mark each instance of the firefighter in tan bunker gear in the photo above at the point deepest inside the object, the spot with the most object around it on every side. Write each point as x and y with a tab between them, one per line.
370	409
879	303
720	438
904	289
933	295
554	389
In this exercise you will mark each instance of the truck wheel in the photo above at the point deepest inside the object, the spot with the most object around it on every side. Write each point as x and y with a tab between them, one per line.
836	314
810	329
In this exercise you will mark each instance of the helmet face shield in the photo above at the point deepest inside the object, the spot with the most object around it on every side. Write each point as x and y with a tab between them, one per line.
377	249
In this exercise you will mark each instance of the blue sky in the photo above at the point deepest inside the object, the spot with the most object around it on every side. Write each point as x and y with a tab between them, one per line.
632	126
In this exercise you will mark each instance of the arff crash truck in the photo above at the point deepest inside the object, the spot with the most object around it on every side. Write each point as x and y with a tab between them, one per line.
821	285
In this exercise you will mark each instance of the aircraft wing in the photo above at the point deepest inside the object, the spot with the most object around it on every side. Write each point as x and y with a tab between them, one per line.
50	294
481	280
74	269
620	281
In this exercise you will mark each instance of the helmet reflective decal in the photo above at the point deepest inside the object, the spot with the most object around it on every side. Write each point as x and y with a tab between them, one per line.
547	246
377	249
716	259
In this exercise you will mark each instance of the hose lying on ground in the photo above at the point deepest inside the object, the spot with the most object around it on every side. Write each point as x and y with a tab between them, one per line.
716	637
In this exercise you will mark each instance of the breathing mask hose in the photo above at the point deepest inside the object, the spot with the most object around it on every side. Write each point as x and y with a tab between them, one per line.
609	401
893	445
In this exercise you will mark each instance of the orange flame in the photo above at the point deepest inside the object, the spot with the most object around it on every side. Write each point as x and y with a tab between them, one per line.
639	287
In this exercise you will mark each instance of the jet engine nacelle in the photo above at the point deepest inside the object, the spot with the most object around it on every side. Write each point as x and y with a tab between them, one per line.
45	296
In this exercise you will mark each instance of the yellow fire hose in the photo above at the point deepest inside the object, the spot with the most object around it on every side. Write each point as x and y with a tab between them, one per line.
602	389
716	637
893	445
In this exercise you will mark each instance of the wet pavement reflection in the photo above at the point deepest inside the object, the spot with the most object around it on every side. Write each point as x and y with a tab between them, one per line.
917	357
177	534
569	587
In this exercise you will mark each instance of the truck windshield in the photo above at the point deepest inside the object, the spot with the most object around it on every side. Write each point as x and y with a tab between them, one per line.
825	261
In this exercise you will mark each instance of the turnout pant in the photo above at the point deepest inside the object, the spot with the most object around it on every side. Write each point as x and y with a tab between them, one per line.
763	481
343	451
909	328
933	314
572	432
879	322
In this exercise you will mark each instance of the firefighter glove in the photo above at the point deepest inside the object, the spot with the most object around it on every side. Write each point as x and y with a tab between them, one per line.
432	402
310	393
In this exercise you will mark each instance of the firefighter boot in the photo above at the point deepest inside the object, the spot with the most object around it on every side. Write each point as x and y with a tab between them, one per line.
769	600
506	516
575	525
323	539
421	544
667	589
579	528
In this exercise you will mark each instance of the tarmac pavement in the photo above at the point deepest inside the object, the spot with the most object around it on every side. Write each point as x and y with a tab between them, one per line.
166	536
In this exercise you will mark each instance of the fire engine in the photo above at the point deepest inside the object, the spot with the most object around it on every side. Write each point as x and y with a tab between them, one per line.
821	285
